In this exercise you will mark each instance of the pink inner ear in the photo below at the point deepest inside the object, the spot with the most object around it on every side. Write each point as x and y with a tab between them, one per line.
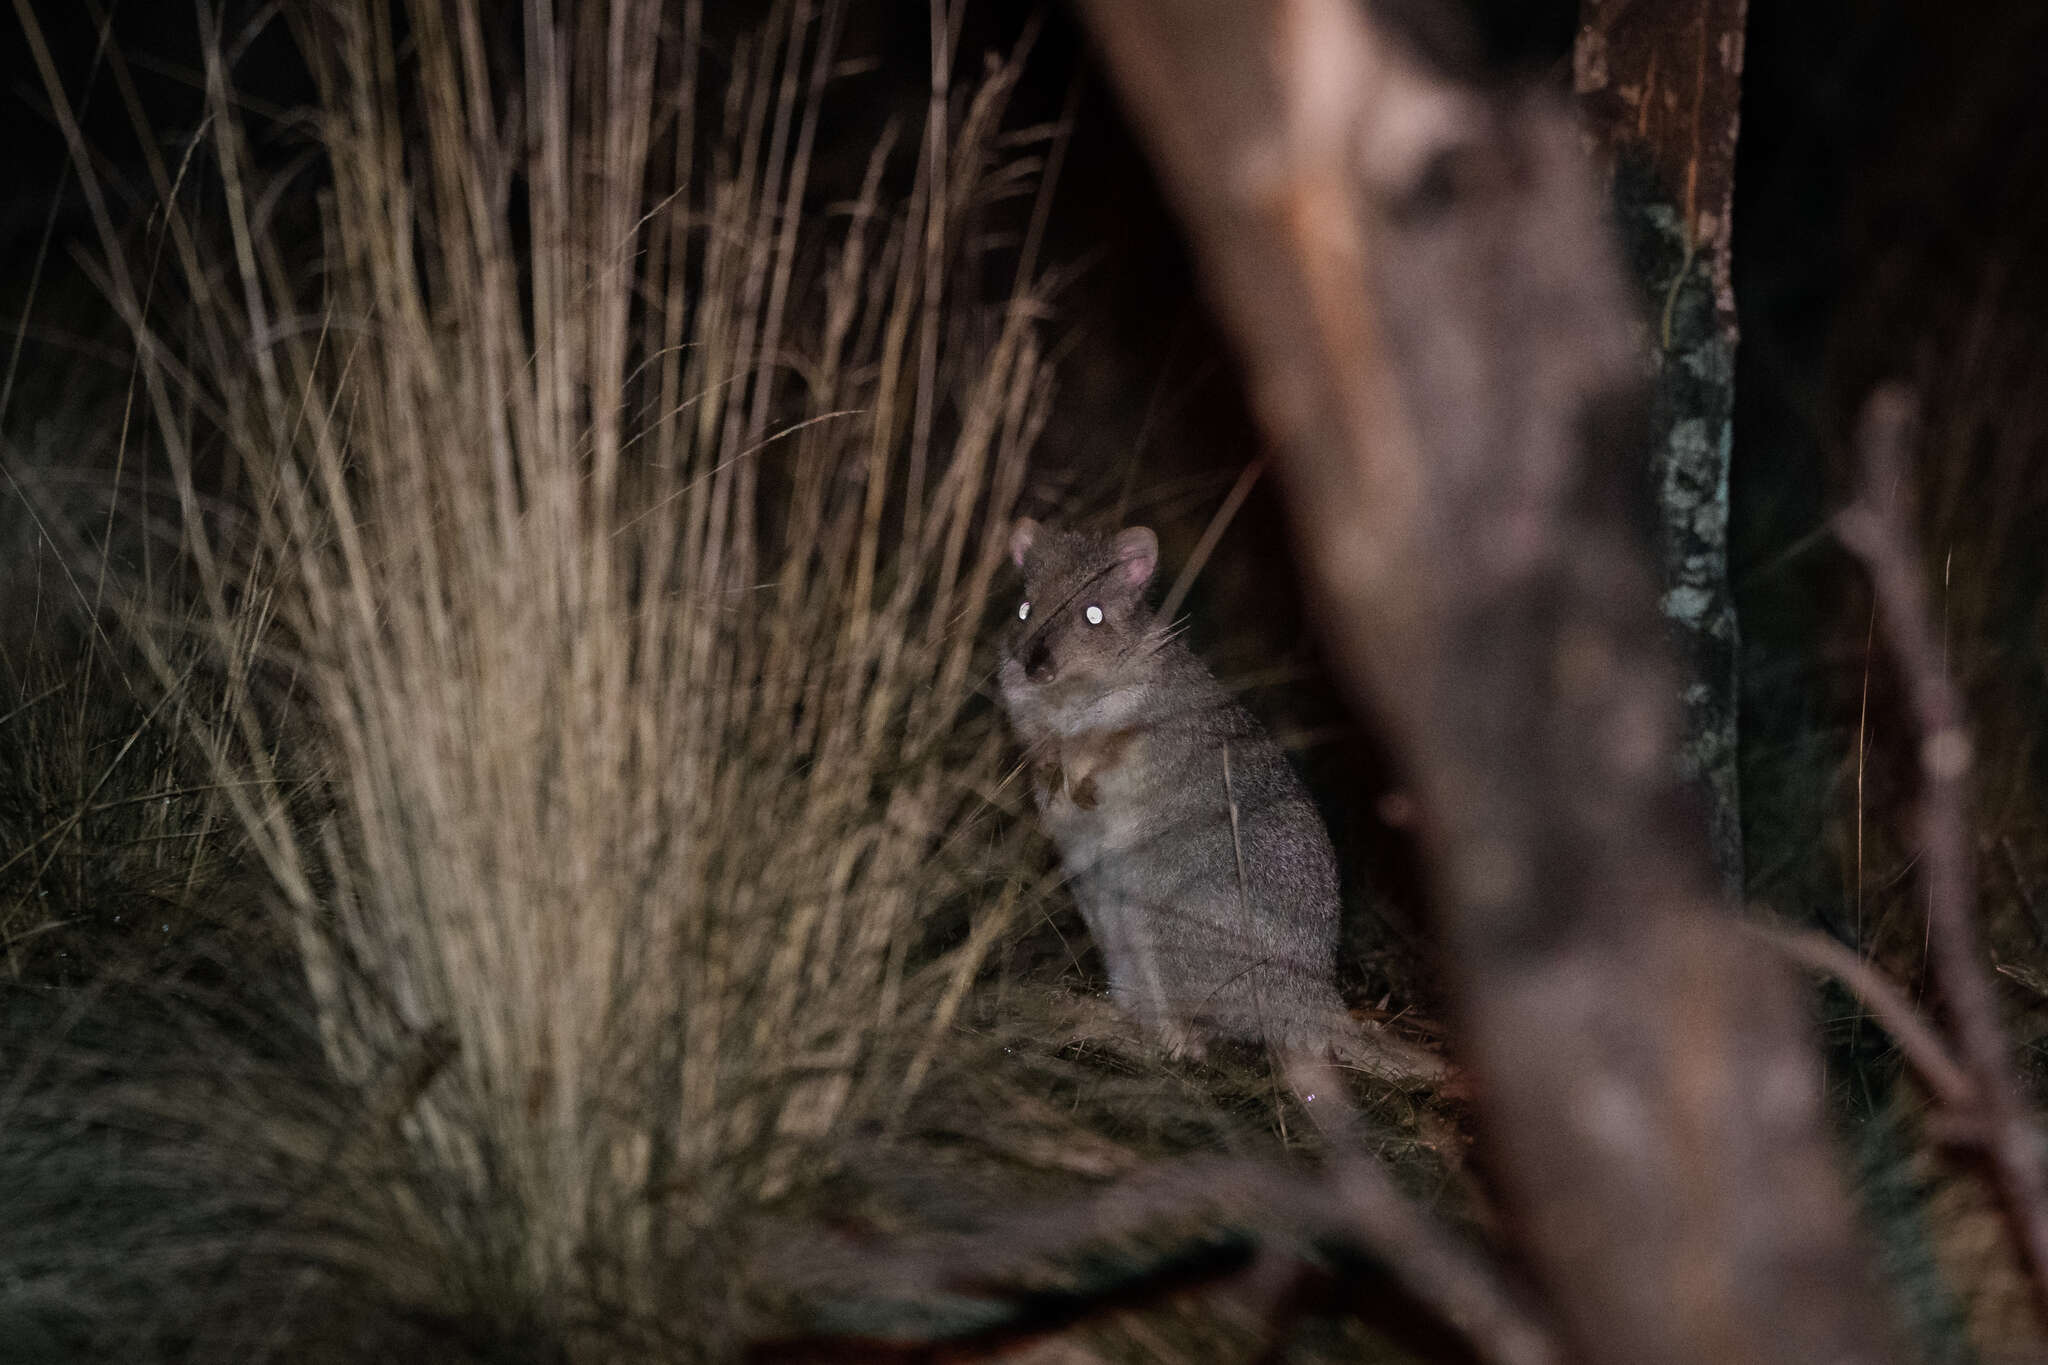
1137	552
1021	537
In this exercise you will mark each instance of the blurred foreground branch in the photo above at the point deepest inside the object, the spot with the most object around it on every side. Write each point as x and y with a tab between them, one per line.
1420	282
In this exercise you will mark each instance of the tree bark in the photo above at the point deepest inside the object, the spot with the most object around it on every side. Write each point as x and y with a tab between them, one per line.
1660	89
1421	283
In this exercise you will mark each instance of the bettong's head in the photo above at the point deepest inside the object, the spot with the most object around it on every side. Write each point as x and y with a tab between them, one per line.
1082	623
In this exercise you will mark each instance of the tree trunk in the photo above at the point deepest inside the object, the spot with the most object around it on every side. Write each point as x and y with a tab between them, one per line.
1660	86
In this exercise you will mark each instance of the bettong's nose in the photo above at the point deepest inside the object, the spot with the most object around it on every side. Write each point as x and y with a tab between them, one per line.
1038	664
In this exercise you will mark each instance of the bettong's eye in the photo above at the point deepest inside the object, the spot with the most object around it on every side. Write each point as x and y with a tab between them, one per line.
1023	611
1094	615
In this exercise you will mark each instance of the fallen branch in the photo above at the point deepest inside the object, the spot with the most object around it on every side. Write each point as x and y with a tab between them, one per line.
1876	529
1212	1225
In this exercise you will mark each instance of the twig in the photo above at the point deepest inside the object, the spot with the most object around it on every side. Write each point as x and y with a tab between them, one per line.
1218	524
1924	1048
1875	528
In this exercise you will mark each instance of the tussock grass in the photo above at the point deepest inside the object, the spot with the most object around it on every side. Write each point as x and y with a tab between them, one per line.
646	791
617	523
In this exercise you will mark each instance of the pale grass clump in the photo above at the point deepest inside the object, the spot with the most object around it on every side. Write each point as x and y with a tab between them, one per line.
623	528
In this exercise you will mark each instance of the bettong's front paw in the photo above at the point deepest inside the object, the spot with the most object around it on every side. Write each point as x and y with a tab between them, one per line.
1180	1042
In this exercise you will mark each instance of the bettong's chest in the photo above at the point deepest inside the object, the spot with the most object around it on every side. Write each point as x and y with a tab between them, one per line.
1092	790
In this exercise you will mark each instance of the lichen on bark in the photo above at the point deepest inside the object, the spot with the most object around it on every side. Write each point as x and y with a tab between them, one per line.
1659	92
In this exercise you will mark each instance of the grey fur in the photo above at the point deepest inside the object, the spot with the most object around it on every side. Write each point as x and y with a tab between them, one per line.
1199	863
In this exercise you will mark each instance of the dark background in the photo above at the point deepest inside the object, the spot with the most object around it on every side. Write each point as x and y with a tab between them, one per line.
1890	207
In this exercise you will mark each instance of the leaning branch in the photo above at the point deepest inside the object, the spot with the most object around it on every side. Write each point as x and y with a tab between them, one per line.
1875	528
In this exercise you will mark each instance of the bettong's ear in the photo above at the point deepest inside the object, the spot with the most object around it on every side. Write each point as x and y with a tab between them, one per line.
1021	537
1137	555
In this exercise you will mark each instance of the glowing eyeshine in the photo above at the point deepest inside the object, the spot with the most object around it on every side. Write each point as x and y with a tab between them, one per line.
1094	616
1023	611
